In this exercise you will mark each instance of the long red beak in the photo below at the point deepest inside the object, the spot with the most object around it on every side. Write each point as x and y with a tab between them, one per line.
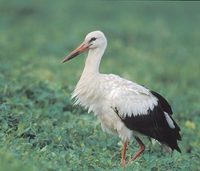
80	49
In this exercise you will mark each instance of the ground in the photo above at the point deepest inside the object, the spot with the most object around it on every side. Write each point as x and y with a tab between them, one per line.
153	43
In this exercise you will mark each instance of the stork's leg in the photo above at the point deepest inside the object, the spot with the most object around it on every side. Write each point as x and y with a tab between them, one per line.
123	160
142	148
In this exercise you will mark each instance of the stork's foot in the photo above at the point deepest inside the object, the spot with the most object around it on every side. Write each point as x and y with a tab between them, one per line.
123	162
137	154
140	151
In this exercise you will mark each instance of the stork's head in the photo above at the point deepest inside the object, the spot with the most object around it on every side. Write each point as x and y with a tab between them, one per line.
93	40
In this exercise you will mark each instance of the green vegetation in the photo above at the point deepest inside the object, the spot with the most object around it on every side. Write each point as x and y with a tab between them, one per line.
152	43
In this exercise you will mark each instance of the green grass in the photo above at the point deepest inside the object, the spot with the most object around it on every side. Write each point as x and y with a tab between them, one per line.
152	43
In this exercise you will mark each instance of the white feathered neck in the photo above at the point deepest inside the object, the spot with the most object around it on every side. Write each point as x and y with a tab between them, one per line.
93	61
84	92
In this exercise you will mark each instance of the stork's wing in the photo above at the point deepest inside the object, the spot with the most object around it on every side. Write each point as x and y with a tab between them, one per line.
130	98
144	111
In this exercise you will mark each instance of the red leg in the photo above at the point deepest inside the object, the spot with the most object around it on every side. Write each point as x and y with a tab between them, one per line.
142	148
123	160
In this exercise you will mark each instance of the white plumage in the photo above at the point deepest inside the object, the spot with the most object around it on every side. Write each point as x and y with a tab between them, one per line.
102	93
123	107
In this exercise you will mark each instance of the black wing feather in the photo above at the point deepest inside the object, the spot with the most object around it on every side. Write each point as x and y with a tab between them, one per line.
163	103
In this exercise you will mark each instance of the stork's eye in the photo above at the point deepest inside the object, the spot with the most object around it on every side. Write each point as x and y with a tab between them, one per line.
92	39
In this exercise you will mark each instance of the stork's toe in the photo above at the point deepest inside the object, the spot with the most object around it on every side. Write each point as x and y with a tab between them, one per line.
123	162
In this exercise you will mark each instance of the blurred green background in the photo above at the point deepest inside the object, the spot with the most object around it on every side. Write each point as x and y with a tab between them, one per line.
153	43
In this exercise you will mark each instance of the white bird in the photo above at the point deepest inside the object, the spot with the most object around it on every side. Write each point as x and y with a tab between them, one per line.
123	107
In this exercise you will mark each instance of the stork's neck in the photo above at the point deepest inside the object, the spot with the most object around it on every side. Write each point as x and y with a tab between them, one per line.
93	61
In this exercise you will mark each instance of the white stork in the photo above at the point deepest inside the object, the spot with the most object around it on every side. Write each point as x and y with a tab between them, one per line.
123	107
